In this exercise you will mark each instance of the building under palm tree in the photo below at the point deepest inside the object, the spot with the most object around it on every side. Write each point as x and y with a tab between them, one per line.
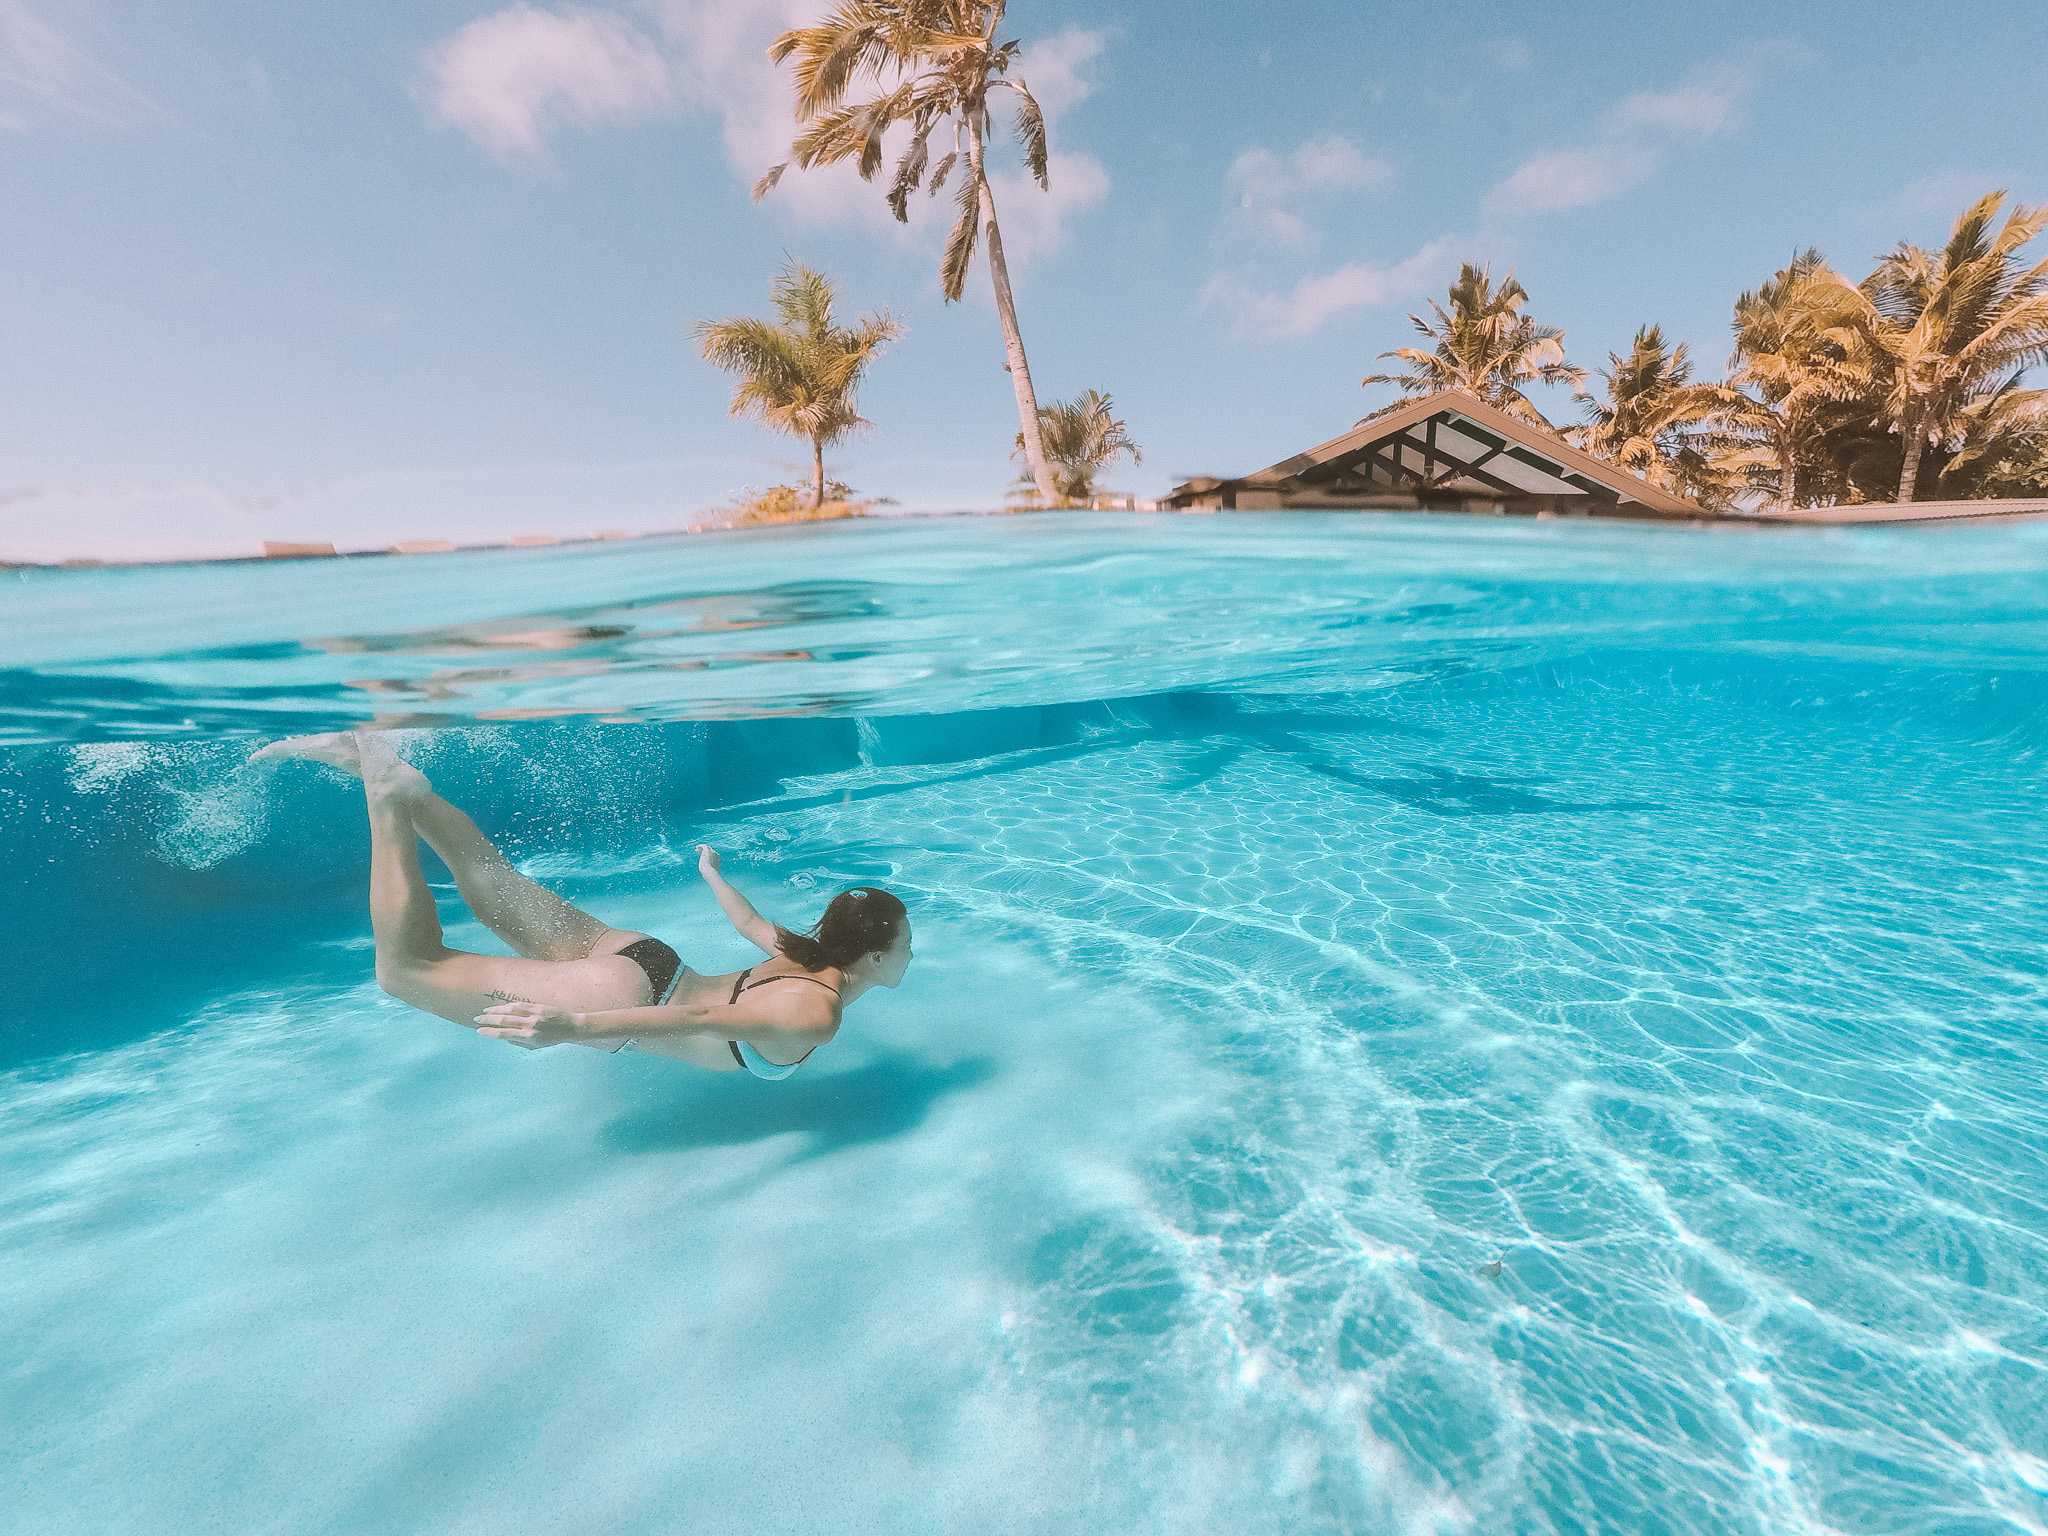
1452	450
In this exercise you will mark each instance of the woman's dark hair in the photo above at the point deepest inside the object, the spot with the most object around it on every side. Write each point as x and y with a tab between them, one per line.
857	922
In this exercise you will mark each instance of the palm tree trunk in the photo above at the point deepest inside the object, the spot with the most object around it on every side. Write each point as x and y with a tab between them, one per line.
817	473
1006	311
1909	472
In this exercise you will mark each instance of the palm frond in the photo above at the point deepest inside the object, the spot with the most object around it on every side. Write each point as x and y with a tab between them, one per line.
803	298
851	42
798	373
1486	344
1082	437
850	133
829	137
764	356
929	63
1031	133
909	172
960	243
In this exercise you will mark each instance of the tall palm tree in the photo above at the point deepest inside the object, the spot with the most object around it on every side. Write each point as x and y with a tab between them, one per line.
1484	344
1082	438
1806	392
799	372
933	65
1657	423
1944	331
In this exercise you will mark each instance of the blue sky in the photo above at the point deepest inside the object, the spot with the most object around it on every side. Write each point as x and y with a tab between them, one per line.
382	269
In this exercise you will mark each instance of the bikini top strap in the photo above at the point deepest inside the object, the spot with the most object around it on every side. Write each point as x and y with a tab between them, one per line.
738	1056
786	976
741	984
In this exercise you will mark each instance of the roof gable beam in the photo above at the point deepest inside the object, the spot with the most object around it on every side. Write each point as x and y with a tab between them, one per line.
1537	461
1455	467
1434	442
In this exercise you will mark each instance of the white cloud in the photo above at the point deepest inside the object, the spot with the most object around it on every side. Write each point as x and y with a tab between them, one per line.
47	73
1338	162
1258	315
1272	197
1034	223
1709	104
722	48
508	78
1630	141
1056	67
720	53
1944	195
1572	178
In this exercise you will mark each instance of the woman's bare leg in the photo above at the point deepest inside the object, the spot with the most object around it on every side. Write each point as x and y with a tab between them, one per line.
524	914
402	913
415	966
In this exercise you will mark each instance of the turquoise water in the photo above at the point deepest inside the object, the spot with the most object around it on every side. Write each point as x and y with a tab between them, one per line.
1312	913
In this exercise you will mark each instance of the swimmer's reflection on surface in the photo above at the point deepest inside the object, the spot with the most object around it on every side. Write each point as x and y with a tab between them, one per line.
576	981
711	613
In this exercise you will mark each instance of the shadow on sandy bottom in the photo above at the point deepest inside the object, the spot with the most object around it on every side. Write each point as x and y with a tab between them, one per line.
1447	792
890	1096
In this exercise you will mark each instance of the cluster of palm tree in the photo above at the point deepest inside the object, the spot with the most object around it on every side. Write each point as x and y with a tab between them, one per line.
1913	378
930	70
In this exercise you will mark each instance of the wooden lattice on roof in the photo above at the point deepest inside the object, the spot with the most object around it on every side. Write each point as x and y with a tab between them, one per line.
1444	448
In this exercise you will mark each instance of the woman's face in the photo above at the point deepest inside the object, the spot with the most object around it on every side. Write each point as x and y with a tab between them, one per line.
895	960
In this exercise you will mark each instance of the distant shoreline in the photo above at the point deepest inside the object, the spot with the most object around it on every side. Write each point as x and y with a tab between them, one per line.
1917	514
276	550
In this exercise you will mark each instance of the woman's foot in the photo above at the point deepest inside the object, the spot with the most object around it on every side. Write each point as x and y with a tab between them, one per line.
335	748
384	772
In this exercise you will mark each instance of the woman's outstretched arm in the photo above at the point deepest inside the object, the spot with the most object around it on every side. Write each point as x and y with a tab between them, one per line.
752	926
800	1021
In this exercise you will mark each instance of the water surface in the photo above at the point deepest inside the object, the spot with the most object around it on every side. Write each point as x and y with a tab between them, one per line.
1313	914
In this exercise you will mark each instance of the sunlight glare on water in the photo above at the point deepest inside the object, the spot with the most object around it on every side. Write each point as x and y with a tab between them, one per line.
1420	1024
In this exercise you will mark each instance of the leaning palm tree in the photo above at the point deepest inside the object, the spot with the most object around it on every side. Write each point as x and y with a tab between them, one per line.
799	372
1082	438
1945	330
933	65
1486	345
1657	423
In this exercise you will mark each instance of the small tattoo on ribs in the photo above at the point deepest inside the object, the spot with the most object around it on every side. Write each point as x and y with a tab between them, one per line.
508	997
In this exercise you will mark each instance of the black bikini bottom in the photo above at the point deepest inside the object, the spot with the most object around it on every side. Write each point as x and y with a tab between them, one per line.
659	962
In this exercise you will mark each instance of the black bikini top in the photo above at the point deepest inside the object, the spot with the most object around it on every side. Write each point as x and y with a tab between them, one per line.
741	984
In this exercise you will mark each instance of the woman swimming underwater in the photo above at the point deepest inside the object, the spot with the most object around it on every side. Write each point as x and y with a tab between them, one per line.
576	981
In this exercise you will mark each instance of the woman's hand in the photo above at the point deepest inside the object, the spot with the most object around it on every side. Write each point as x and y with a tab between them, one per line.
707	860
530	1026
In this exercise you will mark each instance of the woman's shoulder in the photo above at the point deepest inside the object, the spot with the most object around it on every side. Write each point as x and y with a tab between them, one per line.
787	979
769	973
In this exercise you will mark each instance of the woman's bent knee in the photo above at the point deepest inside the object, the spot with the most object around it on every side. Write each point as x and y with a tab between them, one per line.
403	979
